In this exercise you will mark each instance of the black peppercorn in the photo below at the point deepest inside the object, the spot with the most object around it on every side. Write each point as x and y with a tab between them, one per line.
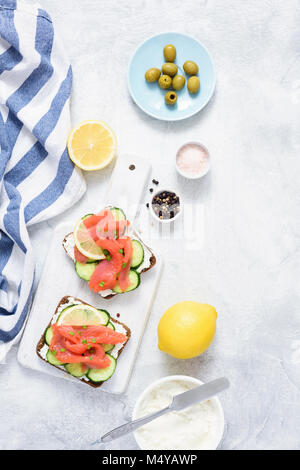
166	204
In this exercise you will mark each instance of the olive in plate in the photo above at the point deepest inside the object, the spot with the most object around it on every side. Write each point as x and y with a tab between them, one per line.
171	97
193	84
178	82
169	53
190	67
169	69
152	75
165	81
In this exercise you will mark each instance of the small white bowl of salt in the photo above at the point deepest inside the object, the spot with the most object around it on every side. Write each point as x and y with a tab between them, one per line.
192	160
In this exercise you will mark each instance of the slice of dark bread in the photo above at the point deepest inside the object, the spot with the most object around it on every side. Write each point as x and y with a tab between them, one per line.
42	342
151	258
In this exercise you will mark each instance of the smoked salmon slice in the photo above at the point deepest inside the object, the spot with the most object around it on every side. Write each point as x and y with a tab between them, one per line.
102	334
93	220
104	225
79	256
105	275
84	344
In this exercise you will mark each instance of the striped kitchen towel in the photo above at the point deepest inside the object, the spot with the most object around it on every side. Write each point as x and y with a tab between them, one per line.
37	178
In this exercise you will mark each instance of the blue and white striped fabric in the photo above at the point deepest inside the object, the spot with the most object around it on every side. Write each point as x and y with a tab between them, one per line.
37	178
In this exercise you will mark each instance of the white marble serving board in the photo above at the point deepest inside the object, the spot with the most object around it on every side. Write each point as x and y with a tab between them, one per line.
59	279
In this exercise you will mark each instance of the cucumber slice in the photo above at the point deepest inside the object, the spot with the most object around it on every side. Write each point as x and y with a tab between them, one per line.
105	315
86	270
48	335
137	254
75	370
110	325
100	375
51	358
69	306
109	347
86	216
118	213
134	278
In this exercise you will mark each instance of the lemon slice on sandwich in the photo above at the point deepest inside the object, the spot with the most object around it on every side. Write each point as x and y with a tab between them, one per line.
78	315
85	242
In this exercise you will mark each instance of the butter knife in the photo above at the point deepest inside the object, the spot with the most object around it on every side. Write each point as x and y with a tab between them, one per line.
180	402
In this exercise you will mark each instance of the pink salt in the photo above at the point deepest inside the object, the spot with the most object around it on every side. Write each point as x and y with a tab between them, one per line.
192	159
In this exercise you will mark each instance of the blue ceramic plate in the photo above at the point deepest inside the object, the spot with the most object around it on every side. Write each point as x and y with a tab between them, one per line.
150	97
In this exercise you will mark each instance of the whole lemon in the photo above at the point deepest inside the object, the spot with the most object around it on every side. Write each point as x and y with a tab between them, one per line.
186	329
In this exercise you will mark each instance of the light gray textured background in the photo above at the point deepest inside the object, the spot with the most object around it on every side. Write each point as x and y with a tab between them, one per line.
247	260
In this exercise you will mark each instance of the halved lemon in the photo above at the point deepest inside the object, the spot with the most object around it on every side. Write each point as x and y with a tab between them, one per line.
85	243
78	315
92	145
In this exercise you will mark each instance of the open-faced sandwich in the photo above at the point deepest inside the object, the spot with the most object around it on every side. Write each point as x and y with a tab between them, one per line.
107	253
83	341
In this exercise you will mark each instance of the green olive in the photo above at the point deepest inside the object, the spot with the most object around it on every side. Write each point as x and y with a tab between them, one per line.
171	97
152	75
178	82
169	69
170	53
165	81
190	67
193	84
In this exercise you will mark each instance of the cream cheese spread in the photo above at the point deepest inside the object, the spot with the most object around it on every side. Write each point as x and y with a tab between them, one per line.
195	428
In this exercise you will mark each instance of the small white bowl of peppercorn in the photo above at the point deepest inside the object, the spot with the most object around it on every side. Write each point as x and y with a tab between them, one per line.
165	206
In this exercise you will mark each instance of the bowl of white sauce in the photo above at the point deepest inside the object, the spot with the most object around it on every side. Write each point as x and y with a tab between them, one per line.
199	427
